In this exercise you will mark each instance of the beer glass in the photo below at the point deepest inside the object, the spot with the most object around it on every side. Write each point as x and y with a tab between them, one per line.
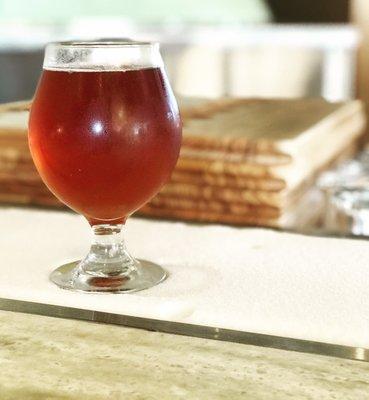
105	134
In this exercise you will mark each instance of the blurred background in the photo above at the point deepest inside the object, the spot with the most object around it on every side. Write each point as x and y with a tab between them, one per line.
212	48
265	49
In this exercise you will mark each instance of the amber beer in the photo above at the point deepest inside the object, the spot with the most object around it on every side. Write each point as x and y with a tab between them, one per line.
104	133
104	142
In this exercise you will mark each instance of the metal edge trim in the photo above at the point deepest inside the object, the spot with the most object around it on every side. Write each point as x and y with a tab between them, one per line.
179	328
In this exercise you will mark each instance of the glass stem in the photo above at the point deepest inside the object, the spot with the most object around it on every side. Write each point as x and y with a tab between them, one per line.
108	256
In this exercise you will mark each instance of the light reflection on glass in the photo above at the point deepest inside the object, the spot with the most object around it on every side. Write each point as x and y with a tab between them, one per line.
97	127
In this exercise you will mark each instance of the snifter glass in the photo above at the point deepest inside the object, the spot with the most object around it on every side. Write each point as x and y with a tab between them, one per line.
105	133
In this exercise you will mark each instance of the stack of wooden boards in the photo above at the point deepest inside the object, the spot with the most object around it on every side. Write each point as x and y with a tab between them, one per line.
243	161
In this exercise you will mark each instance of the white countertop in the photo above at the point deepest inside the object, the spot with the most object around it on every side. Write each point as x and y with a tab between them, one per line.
248	279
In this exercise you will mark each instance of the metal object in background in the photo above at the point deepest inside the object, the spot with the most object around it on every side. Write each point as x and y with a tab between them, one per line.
346	192
353	207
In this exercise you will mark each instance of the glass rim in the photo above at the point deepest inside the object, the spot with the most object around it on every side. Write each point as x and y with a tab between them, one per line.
103	44
111	54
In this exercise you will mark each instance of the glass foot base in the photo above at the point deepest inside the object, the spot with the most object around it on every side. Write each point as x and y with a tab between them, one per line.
145	275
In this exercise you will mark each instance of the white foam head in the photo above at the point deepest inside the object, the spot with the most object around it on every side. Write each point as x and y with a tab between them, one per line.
101	56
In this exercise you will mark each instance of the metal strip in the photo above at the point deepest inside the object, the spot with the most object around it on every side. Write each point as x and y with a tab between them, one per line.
178	328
